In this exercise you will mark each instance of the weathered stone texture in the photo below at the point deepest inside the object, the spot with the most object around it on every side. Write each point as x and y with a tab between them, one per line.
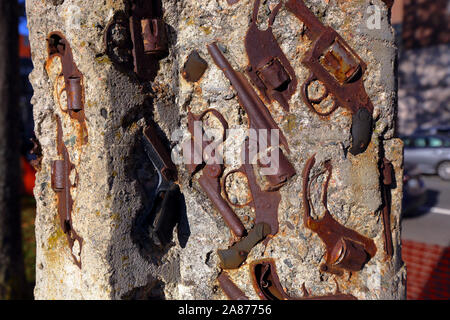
116	261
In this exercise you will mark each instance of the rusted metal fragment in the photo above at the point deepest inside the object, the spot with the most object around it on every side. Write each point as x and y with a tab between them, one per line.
149	37
269	69
233	257
387	183
268	287
164	211
137	39
259	117
154	36
346	249
194	67
73	80
61	184
231	2
266	282
159	155
388	3
229	288
212	170
265	203
284	170
339	68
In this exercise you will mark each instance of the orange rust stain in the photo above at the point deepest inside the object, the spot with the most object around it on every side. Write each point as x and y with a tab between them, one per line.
198	90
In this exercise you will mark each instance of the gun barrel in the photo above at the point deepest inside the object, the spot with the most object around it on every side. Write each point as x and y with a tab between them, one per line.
249	101
230	289
259	116
212	189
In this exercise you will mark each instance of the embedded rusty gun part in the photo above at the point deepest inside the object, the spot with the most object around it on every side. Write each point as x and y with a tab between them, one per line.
339	68
211	171
269	69
118	42
61	184
194	67
149	36
164	212
73	79
265	203
230	289
231	2
159	156
268	287
233	257
258	115
387	181
346	249
266	282
388	3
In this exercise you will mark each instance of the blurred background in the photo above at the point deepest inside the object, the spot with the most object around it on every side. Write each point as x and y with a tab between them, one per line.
423	122
422	30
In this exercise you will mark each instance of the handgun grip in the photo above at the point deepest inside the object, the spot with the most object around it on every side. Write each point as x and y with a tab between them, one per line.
167	216
233	257
362	123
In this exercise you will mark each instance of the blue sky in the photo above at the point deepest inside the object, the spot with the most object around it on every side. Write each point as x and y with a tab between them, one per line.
23	23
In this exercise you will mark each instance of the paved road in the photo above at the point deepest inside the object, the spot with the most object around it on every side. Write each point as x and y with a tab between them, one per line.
432	224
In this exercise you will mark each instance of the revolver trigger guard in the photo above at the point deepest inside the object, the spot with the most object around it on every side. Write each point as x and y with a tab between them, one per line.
219	117
225	192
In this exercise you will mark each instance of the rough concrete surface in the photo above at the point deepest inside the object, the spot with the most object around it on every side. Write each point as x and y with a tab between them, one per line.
117	262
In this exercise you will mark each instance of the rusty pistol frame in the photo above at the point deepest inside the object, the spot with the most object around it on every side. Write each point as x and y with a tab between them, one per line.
339	68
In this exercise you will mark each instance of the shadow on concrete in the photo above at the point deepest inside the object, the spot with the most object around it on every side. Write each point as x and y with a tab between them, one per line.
141	180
